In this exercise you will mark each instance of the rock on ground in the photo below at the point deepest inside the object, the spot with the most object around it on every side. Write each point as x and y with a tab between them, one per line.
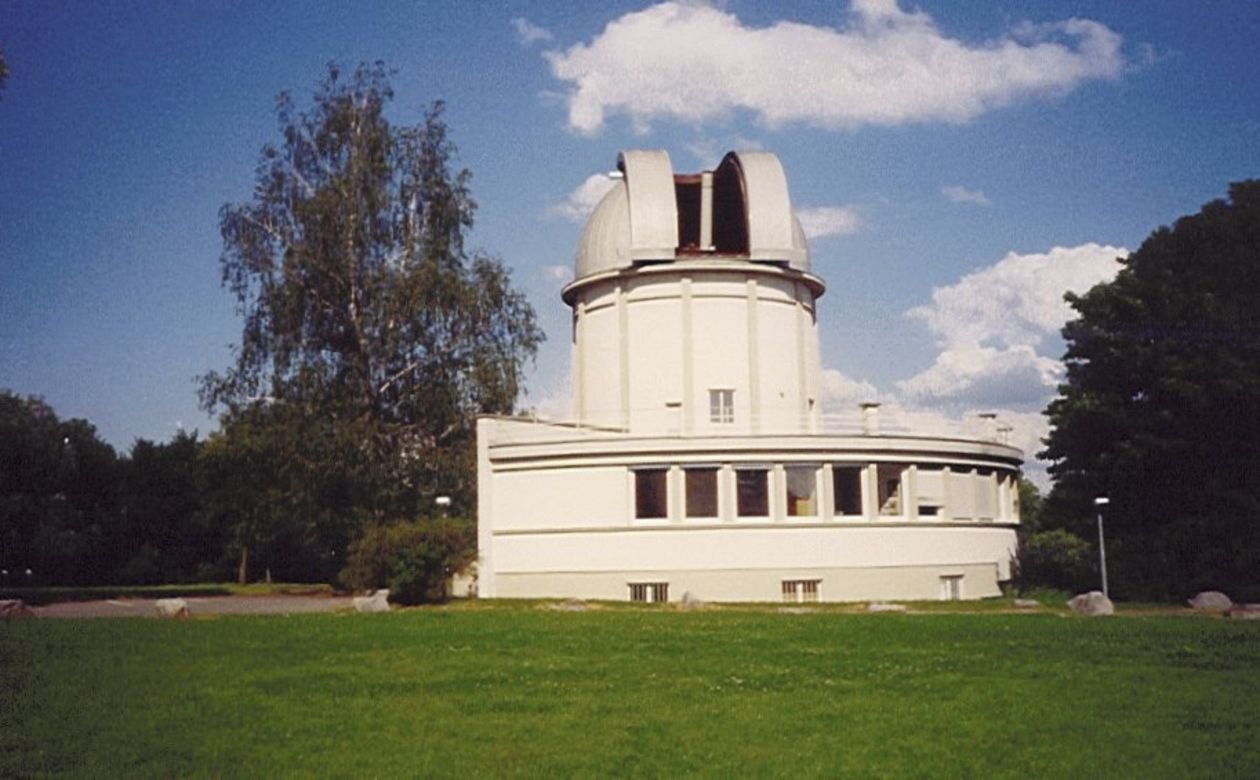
691	601
377	601
1092	604
1211	599
1026	604
171	608
880	606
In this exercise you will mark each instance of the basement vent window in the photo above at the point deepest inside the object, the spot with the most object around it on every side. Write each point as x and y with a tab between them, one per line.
649	592
799	591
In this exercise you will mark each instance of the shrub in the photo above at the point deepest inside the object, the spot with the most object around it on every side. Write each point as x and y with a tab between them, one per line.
414	559
1055	559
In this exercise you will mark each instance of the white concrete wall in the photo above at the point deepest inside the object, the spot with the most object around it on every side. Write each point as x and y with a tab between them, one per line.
650	343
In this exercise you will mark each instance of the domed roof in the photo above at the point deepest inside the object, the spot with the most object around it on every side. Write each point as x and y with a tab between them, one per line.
746	213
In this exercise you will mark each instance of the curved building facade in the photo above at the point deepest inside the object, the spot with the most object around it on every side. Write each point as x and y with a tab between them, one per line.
698	459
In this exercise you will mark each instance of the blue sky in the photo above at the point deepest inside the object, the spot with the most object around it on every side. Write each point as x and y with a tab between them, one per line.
958	167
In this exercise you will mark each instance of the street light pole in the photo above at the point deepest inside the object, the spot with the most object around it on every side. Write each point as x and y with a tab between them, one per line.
1100	502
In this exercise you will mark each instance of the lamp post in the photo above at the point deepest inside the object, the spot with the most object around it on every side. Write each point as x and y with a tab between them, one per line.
1100	502
444	502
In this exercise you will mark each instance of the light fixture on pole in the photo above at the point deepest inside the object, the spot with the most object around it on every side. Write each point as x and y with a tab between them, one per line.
1100	502
444	502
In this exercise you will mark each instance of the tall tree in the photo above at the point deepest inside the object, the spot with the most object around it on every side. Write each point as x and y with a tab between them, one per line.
58	496
1161	407
368	325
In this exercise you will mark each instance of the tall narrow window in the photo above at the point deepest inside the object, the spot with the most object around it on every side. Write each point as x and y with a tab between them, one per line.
802	491
752	498
951	587
702	494
722	406
650	494
889	478
847	481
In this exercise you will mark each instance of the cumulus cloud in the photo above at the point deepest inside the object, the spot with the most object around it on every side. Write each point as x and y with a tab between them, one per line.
991	324
558	273
529	33
840	393
695	63
958	194
583	200
1018	300
985	376
824	221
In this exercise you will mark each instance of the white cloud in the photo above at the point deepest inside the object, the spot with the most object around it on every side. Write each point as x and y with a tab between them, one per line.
579	203
824	221
558	273
1016	377
529	33
958	194
695	63
1018	300
840	393
992	322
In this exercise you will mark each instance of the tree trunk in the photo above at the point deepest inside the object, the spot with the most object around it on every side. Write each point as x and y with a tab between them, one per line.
243	572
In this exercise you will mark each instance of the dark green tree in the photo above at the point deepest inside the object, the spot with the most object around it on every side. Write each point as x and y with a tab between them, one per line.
372	336
1160	409
58	496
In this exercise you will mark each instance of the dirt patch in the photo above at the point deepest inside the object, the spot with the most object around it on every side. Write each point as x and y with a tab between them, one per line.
210	605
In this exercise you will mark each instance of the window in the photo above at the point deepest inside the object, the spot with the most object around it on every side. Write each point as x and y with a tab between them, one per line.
802	491
722	406
888	475
652	592
752	498
702	493
800	590
951	587
650	494
847	481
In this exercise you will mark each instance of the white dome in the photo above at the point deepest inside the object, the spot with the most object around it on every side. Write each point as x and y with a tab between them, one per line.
639	219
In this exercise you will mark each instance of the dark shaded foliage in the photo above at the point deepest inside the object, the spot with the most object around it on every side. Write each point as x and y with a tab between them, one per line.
1161	408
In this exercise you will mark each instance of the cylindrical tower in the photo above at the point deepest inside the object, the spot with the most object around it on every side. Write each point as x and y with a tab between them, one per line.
693	303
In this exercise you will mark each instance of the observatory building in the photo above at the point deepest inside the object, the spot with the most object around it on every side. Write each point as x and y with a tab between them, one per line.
698	459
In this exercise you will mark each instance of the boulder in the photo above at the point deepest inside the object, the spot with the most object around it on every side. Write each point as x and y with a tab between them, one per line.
1026	604
14	608
881	606
171	608
691	601
376	601
1211	599
1092	604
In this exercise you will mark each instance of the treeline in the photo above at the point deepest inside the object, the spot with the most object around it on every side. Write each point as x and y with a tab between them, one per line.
75	512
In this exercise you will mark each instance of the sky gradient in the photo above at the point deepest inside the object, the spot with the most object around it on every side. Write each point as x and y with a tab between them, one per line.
958	169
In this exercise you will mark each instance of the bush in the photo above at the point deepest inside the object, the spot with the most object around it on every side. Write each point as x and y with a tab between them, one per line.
1055	559
414	559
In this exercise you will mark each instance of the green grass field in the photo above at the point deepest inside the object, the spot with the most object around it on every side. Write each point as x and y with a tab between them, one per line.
490	690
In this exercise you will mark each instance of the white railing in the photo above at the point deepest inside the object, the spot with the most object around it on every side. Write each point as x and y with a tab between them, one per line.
893	421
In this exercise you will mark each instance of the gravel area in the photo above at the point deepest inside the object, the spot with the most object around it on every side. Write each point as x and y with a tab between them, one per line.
213	605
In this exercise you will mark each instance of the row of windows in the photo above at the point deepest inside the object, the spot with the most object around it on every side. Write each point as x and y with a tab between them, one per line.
938	490
793	591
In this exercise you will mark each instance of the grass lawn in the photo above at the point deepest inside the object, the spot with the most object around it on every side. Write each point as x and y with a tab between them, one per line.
490	690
